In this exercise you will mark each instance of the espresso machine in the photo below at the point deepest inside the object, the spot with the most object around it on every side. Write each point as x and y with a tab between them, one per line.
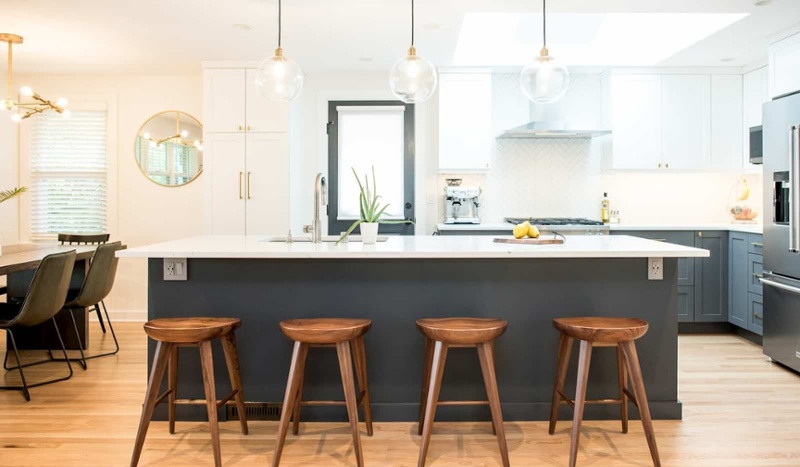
461	204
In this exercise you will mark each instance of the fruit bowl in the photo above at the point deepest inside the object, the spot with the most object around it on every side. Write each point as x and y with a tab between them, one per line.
743	213
741	204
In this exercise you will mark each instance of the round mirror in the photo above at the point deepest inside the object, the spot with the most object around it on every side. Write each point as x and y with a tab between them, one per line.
169	148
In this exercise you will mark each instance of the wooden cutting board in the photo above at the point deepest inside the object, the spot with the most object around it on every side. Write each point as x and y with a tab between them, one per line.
531	241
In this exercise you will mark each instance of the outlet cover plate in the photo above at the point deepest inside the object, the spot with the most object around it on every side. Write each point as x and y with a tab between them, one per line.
175	269
655	269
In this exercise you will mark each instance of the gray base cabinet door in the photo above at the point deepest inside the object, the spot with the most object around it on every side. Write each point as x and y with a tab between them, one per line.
711	278
756	314
738	279
685	304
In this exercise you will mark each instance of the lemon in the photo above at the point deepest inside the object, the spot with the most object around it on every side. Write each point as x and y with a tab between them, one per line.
533	232
520	230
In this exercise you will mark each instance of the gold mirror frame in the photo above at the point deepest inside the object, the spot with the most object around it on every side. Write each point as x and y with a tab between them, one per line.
179	114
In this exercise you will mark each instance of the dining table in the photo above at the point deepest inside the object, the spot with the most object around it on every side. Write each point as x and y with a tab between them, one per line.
18	264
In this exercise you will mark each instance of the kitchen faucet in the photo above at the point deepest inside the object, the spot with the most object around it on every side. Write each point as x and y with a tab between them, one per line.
320	199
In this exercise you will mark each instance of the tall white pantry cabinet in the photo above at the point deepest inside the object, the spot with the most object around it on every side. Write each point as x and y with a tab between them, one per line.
245	154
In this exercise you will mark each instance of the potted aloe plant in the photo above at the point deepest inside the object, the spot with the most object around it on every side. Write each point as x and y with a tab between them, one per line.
7	195
371	211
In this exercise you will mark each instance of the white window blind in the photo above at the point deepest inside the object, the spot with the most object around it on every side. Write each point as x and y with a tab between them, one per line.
371	136
68	165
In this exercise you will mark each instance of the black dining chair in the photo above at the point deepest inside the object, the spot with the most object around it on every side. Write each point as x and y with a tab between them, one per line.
44	299
87	239
97	285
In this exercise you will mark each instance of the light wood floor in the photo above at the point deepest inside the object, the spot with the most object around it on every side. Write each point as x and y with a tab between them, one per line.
739	410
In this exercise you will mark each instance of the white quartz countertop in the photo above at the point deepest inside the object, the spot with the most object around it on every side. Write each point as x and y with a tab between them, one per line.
502	226
411	247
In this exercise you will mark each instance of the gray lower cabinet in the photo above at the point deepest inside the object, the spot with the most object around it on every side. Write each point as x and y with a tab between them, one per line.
685	303
738	279
711	278
746	268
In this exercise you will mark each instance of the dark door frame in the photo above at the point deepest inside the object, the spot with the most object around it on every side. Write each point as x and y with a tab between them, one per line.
337	226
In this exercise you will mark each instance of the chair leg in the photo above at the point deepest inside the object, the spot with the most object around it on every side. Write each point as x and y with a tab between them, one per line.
25	391
360	356
172	378
156	375
637	383
82	360
207	362
437	370
562	365
100	318
232	360
426	376
344	350
298	360
623	384
486	357
110	328
580	399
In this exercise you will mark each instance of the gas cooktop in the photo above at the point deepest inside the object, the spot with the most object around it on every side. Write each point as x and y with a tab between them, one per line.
552	221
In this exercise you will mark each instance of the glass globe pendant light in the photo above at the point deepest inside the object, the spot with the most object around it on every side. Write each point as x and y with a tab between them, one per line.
278	78
413	79
545	80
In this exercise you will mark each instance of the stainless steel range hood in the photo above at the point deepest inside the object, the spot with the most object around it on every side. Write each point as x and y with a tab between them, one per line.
550	130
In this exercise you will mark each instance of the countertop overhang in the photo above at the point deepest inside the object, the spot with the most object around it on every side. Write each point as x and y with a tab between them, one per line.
412	247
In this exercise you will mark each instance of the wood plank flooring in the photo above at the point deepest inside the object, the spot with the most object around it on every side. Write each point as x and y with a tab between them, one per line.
739	410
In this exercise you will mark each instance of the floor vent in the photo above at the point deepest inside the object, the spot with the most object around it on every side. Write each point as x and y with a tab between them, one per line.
256	411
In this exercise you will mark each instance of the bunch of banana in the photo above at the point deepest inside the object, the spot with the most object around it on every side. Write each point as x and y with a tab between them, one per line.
526	229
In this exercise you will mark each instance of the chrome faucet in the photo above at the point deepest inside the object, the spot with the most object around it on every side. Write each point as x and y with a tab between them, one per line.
320	199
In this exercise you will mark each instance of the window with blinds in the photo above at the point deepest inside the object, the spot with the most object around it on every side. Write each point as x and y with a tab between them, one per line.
68	165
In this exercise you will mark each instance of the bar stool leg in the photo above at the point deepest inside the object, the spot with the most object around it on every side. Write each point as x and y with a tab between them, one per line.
363	382
298	399
298	362
637	383
486	356
435	385
623	384
349	386
426	377
173	386
564	351
207	362
156	375
232	361
580	398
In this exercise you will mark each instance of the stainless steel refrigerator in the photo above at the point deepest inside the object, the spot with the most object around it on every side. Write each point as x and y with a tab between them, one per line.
781	123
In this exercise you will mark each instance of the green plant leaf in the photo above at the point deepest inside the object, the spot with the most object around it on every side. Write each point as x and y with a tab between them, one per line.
395	221
349	231
8	194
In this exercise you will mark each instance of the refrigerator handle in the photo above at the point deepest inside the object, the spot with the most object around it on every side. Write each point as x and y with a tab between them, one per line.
794	199
779	285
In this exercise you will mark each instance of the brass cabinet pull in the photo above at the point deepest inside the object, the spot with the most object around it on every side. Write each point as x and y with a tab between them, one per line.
240	185
699	234
755	274
659	166
248	185
756	244
248	127
667	164
757	316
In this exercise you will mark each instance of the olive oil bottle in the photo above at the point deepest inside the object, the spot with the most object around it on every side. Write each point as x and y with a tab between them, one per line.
605	212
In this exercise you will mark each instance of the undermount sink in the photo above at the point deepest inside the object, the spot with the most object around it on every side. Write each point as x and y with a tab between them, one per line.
325	239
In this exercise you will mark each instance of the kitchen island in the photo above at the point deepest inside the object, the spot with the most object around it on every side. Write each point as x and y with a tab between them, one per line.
396	282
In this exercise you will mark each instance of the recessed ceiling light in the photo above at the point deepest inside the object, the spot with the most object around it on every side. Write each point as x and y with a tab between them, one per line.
761	2
242	27
365	59
432	26
727	59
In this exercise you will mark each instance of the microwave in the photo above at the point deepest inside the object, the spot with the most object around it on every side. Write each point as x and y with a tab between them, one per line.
756	145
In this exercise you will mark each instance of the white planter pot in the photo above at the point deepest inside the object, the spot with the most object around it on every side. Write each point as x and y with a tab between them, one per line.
369	233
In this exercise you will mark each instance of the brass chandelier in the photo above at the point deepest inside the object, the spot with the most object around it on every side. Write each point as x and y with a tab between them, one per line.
22	110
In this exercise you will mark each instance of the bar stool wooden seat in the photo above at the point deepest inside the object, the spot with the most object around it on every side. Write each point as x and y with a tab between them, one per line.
602	332
441	334
347	336
171	334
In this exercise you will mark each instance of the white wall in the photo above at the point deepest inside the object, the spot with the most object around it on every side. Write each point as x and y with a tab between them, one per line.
144	212
9	174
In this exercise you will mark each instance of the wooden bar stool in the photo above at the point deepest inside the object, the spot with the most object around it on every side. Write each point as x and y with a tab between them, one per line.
602	332
440	335
172	333
347	335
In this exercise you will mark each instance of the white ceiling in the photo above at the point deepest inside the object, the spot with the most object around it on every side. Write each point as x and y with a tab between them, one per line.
173	36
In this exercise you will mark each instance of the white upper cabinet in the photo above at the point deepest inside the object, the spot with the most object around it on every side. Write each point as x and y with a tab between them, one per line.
224	105
686	121
755	94
465	122
784	66
726	122
636	121
263	115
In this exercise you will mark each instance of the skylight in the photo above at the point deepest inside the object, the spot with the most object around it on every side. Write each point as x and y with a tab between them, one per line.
614	39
